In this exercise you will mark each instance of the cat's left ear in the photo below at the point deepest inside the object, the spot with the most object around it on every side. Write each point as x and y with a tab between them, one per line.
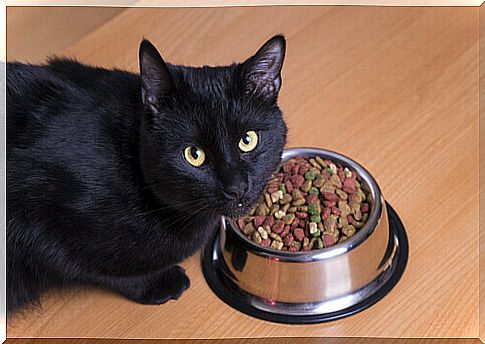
262	71
156	80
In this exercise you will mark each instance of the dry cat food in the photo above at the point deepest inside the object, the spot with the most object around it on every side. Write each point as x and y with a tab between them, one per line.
309	204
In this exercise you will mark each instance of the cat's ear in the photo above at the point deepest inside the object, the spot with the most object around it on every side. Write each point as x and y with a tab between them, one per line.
156	80
262	71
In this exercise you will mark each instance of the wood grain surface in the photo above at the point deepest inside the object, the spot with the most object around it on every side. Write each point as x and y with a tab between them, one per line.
482	171
394	88
35	33
353	340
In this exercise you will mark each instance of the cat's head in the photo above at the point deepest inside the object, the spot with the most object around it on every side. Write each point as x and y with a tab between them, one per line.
211	136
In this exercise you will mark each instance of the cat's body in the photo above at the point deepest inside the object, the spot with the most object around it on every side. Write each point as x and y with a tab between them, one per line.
98	192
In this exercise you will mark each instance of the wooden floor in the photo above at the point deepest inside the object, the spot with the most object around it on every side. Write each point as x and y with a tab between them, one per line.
252	341
394	88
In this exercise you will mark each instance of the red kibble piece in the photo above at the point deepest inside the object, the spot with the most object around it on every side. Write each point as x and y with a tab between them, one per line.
295	223
259	220
303	170
350	219
330	196
312	198
295	169
349	186
280	178
284	248
328	240
286	230
289	186
299	234
306	248
299	158
329	204
292	249
269	221
340	175
364	207
287	240
272	188
301	215
297	180
278	226
241	223
266	242
287	167
326	174
326	213
336	211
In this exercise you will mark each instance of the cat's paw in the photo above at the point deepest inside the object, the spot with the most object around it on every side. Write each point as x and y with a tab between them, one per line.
169	285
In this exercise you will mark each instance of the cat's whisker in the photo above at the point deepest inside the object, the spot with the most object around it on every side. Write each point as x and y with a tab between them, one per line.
171	206
191	222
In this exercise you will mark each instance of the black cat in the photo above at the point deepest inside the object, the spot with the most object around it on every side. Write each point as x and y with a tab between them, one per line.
113	178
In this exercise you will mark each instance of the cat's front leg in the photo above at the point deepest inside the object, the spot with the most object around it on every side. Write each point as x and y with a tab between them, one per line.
154	289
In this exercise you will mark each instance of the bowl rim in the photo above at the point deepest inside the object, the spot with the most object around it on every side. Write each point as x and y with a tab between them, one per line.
337	249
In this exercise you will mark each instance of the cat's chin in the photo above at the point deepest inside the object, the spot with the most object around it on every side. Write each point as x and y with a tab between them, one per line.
236	212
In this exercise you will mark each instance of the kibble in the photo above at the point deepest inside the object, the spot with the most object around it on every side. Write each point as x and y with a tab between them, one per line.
309	204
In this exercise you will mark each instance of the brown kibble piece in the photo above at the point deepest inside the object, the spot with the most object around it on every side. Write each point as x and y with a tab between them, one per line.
286	199
249	228
307	185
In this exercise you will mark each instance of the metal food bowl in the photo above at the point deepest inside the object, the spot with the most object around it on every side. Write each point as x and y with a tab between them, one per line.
310	286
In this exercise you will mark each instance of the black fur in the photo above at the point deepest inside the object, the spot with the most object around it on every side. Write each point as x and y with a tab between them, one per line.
98	190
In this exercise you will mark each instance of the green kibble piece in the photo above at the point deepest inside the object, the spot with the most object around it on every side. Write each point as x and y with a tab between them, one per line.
329	170
316	234
314	191
315	218
318	243
313	209
309	175
283	188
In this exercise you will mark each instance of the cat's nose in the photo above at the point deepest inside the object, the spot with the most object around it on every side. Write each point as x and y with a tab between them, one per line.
236	191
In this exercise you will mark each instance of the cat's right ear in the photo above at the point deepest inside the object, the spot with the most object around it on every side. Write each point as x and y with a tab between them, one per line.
156	80
262	72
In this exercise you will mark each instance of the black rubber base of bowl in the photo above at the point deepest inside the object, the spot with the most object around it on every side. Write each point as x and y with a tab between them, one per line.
237	300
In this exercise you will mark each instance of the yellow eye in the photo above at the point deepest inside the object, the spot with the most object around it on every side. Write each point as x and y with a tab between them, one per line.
194	155
249	141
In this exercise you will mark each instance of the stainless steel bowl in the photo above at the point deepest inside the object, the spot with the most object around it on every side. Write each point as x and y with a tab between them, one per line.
311	283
